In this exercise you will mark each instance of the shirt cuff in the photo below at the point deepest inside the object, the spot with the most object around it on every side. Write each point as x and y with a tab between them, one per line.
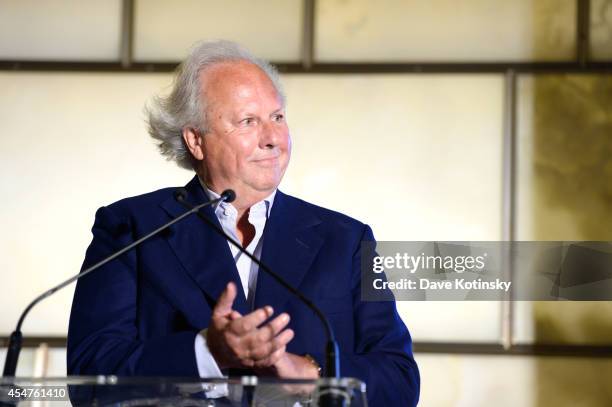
207	366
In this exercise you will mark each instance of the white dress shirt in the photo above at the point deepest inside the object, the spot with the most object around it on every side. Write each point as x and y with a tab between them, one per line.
247	269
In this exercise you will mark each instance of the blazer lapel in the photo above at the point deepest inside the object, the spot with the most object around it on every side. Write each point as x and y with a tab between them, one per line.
289	247
203	252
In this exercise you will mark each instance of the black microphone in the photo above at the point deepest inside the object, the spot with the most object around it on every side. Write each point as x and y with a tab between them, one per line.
227	196
15	341
332	354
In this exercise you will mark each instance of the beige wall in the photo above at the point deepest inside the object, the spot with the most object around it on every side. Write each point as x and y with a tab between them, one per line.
416	156
394	151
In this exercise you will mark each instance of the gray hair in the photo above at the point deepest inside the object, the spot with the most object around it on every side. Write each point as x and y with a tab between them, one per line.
185	106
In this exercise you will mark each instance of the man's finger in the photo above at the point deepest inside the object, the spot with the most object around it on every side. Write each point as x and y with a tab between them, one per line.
272	328
263	351
272	358
251	321
283	338
235	315
226	300
276	355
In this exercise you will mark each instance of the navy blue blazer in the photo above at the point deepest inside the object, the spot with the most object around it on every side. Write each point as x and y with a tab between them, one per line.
139	315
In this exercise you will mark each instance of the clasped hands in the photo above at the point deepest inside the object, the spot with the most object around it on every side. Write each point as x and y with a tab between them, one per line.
237	341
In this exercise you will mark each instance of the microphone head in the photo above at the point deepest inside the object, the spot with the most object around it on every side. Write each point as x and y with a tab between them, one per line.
180	194
228	195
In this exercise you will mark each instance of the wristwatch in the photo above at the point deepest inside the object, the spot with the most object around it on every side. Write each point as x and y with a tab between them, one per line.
314	362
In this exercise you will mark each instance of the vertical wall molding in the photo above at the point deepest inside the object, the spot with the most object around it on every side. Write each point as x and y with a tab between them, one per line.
308	34
127	33
508	201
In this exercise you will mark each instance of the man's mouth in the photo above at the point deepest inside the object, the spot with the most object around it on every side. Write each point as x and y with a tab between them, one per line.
267	159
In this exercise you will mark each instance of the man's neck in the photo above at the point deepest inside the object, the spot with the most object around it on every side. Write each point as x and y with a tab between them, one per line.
243	205
245	199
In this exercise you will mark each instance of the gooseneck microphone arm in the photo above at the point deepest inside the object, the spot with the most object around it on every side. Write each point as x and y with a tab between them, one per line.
15	341
332	356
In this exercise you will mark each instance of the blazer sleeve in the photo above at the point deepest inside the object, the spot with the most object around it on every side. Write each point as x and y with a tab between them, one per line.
103	334
382	356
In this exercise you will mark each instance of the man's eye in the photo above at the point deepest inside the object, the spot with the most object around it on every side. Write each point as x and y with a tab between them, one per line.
279	117
248	121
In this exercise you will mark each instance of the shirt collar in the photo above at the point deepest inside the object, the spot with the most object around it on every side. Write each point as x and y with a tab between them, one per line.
263	205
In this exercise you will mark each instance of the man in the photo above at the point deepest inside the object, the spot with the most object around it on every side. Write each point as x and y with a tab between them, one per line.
187	303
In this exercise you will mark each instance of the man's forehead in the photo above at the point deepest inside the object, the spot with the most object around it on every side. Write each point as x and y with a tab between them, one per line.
232	72
235	79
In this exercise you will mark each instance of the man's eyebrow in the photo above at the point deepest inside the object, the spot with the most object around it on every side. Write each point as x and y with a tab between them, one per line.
245	112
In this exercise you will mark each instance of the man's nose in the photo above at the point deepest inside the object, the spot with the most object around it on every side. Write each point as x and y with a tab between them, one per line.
270	135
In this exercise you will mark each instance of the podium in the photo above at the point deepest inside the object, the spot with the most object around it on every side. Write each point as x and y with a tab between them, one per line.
245	391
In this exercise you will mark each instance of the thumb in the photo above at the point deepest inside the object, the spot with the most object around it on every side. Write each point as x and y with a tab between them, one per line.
225	301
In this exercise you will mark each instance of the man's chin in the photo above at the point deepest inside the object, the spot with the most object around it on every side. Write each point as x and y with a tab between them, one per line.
266	186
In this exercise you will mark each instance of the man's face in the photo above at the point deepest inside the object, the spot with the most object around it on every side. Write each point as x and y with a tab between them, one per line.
247	146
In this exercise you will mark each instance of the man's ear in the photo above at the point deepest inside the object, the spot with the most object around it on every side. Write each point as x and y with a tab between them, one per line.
193	141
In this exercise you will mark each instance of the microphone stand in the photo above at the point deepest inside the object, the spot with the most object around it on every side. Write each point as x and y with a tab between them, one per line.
331	395
15	341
